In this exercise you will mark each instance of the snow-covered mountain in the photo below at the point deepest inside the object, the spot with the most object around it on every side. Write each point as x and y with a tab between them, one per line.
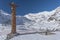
45	19
6	18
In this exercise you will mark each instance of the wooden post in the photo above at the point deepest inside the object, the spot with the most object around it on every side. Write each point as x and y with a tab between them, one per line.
13	21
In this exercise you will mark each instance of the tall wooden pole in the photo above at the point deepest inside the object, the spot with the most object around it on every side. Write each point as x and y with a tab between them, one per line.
13	9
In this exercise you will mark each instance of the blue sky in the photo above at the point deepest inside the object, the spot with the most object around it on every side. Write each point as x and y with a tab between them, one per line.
29	6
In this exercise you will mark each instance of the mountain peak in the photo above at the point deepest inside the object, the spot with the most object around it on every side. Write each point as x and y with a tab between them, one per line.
58	9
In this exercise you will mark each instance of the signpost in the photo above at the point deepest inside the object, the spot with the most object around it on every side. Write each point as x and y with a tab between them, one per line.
13	21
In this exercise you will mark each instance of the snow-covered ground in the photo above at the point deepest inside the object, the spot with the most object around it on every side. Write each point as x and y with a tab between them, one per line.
4	30
38	37
55	36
